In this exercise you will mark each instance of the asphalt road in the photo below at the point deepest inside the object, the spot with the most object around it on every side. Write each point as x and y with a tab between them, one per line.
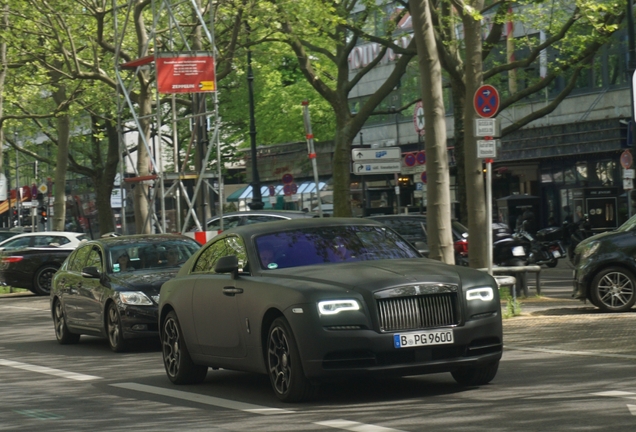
566	367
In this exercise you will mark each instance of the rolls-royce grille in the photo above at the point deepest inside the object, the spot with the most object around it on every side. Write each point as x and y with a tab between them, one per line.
418	312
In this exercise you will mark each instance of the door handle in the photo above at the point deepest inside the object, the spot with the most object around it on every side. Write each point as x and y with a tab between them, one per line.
231	291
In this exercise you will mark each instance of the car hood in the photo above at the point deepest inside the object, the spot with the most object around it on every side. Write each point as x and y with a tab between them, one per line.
381	274
146	281
606	236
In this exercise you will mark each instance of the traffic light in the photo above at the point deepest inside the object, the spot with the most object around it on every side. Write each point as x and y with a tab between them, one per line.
43	214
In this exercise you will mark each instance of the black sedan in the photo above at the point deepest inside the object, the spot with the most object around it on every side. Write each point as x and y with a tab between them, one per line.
605	271
110	287
32	268
312	299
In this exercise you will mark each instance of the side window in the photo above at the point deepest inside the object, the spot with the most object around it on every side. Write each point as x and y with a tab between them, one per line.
228	222
235	246
95	259
18	243
252	219
209	257
78	259
60	240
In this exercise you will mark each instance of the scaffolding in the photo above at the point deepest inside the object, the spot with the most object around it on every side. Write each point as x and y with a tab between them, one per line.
177	36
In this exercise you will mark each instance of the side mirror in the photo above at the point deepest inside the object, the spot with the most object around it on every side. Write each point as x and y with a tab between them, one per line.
422	248
227	264
91	272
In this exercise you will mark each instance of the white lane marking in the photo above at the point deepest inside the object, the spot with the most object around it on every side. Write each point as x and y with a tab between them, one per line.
632	409
580	353
23	308
203	399
49	371
354	426
615	393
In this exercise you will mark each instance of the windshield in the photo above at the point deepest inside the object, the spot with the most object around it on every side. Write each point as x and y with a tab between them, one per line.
330	245
629	225
150	255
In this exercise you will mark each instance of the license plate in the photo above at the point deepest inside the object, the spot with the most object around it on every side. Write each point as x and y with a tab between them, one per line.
556	253
423	338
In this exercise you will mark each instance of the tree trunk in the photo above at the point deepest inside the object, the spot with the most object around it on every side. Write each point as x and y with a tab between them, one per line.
476	201
143	223
440	238
342	167
459	100
103	191
63	124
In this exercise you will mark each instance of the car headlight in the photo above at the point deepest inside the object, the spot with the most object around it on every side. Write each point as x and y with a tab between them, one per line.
590	249
483	294
332	307
136	298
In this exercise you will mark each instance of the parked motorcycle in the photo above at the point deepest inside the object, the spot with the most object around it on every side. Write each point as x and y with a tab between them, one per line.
544	248
506	249
575	233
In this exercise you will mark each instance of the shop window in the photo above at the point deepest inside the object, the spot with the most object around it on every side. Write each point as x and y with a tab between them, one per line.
557	176
605	172
581	171
546	176
569	175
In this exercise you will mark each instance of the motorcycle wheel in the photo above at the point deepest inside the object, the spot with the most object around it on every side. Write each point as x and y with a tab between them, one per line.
552	263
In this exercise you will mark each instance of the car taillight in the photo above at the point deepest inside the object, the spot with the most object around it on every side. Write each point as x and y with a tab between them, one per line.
12	259
461	247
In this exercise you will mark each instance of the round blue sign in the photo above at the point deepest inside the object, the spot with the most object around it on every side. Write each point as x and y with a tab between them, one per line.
423	177
409	159
288	178
421	157
486	101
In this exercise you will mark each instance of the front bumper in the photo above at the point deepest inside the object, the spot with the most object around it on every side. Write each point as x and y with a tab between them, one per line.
139	321
332	353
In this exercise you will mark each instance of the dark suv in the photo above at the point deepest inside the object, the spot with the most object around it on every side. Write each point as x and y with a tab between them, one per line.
413	229
605	270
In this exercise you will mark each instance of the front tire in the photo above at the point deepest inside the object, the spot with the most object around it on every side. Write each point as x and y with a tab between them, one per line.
62	333
613	290
476	376
114	329
284	366
179	365
43	279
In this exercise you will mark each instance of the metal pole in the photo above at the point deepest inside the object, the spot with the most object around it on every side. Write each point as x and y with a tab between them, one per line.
631	56
17	178
257	199
312	152
489	212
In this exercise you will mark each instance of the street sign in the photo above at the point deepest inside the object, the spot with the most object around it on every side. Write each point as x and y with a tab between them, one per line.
487	127
290	189
43	188
423	177
409	159
628	184
421	157
626	159
288	178
486	101
628	174
418	118
377	154
486	149
385	167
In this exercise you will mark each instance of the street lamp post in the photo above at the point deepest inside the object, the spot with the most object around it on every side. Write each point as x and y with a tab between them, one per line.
257	198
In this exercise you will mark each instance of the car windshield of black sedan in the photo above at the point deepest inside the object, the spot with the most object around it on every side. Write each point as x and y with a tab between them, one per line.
333	244
151	255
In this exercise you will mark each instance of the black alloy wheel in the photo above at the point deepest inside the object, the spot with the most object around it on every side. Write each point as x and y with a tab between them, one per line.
613	290
114	329
62	333
284	366
476	376
43	279
179	365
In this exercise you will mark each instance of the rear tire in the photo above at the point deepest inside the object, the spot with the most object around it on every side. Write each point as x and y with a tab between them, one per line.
176	359
62	333
43	279
476	376
613	290
552	263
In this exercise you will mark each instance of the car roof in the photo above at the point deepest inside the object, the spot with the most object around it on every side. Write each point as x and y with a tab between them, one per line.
139	238
289	225
287	213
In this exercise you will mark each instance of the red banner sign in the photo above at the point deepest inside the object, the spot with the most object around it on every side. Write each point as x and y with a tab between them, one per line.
185	74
